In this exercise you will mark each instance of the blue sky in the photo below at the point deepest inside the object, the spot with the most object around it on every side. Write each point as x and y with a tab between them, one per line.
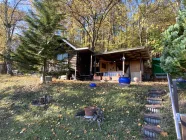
23	6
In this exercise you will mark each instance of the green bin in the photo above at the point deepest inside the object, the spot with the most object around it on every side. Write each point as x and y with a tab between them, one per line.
157	70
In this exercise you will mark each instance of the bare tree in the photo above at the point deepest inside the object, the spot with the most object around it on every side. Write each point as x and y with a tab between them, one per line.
90	15
10	15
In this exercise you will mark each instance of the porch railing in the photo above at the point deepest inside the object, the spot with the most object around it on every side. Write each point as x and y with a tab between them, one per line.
112	73
178	118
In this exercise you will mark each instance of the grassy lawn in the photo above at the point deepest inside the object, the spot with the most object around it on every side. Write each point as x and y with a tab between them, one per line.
123	109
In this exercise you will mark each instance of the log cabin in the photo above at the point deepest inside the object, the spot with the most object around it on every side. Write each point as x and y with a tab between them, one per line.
86	65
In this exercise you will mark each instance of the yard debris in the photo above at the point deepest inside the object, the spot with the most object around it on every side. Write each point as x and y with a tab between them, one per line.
46	99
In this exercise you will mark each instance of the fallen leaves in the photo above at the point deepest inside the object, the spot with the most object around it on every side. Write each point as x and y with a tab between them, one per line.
77	136
36	138
60	116
164	134
127	112
53	132
158	126
22	131
58	119
62	127
85	131
139	124
121	122
128	131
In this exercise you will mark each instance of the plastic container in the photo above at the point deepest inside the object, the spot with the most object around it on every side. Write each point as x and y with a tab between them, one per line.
92	85
124	80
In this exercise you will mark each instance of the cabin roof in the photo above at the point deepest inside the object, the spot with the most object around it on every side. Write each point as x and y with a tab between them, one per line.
74	47
130	53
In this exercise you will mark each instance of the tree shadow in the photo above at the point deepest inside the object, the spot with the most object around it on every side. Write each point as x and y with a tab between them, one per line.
123	105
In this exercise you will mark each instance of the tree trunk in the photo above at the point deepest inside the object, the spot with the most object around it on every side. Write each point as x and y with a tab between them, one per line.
9	20
8	63
140	32
146	40
93	43
44	70
8	39
9	67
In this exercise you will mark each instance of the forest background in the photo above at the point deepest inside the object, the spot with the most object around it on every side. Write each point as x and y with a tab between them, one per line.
101	25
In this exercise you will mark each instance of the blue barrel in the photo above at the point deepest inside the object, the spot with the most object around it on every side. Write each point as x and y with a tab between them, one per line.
124	80
92	85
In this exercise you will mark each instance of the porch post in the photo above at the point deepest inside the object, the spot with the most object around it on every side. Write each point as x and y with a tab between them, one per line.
129	69
140	68
91	64
76	66
123	59
94	64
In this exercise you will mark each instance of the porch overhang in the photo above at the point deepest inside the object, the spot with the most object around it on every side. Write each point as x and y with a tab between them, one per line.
130	54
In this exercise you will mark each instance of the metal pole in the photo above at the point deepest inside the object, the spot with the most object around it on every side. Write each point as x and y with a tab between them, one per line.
175	116
175	96
91	64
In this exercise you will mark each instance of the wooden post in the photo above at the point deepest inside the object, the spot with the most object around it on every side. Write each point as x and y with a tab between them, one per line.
91	64
129	69
123	59
76	67
94	64
140	69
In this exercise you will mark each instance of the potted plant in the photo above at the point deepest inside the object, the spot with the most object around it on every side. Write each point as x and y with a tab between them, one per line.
89	111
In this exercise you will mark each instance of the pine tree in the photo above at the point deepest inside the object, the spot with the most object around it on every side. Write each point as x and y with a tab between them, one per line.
39	42
173	59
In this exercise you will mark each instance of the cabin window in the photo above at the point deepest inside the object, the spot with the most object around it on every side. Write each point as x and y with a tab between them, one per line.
58	32
62	56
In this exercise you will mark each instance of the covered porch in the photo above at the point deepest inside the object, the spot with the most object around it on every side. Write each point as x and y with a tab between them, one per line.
126	62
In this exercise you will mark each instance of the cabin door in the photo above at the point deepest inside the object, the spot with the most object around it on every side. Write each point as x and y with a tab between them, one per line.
84	63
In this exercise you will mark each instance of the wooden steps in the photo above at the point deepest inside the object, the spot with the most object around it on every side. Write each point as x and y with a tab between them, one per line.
153	118
153	115
154	100
152	130
154	108
156	93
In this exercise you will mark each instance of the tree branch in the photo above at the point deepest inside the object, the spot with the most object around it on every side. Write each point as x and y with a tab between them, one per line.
13	11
